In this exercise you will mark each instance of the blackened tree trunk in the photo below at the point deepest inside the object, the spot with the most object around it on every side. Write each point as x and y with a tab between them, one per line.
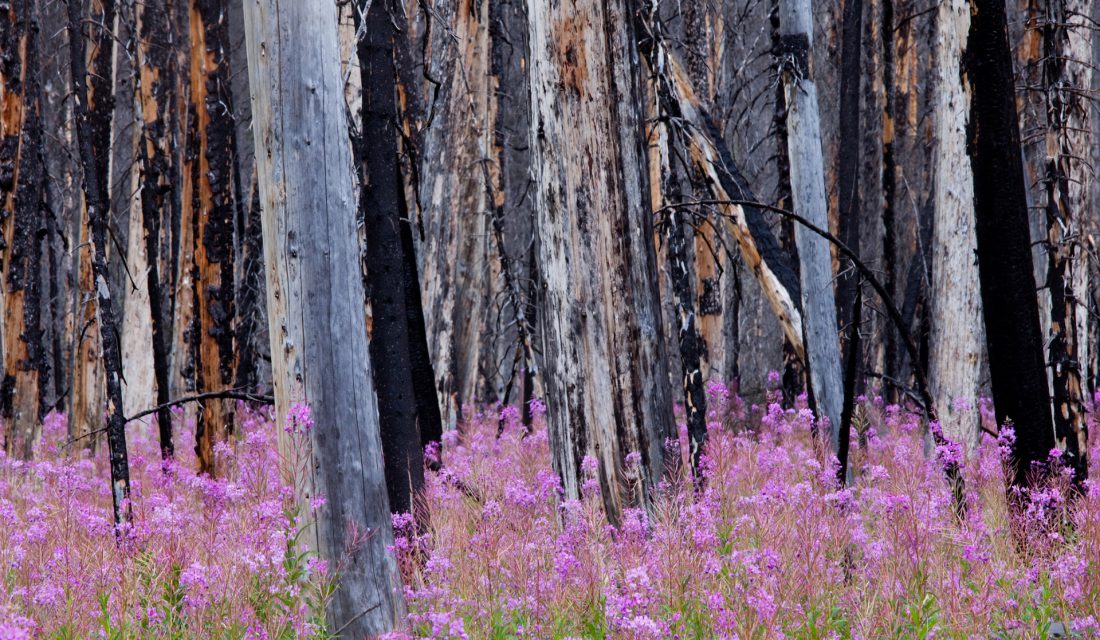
157	98
428	417
849	202
22	193
95	195
211	206
1013	339
1067	78
382	195
320	355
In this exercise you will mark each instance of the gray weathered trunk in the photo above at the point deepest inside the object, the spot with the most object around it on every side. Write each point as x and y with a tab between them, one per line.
315	297
606	370
808	195
956	333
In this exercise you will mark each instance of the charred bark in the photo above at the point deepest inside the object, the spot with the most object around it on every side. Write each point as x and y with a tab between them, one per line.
95	195
381	202
213	202
1067	77
850	206
157	97
22	199
1013	340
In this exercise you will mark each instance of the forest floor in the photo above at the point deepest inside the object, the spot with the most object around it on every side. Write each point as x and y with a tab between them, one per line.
766	546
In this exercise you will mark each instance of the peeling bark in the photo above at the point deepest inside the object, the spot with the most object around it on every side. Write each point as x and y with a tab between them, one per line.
604	356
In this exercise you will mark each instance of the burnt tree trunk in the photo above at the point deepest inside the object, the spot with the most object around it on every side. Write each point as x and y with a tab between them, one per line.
210	205
157	96
382	195
22	197
850	208
1067	78
1013	339
95	195
605	360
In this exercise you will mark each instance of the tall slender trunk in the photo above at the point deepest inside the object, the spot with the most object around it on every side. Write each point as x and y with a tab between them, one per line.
210	204
955	339
808	189
1066	78
849	200
381	202
95	197
319	347
1013	340
794	368
156	97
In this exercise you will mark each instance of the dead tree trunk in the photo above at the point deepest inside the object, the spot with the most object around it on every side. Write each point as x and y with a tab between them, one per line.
381	203
22	196
1067	77
157	99
86	395
849	202
209	204
95	197
315	298
808	189
605	364
1013	340
955	340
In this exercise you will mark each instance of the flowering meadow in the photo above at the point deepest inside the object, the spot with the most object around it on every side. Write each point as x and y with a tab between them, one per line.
201	557
765	545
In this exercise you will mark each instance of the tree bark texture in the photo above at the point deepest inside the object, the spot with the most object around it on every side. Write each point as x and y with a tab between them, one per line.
22	207
319	348
381	202
604	356
956	332
808	191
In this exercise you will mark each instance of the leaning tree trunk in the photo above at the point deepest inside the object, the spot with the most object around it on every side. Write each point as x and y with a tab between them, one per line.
315	298
606	372
381	203
808	191
1013	339
955	340
96	200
